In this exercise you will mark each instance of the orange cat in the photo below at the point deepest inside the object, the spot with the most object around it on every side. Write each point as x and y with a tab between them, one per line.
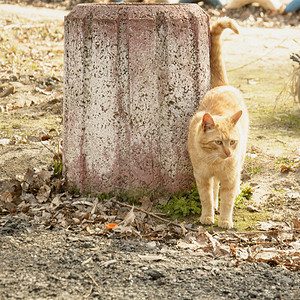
218	137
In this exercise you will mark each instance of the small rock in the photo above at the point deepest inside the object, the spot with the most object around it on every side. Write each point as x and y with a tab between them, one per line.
151	245
8	91
252	208
154	274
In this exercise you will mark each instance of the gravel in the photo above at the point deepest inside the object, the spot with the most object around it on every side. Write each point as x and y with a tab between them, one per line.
57	263
61	264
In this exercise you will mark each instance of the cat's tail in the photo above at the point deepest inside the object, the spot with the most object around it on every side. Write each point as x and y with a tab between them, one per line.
217	67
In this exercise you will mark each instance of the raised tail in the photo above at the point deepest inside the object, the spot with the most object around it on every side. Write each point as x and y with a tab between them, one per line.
217	67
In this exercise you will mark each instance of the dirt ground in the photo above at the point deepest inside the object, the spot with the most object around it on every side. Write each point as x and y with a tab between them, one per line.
257	62
51	262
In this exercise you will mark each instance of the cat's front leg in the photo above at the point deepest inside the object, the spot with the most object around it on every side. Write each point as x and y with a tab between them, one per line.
216	185
228	192
206	197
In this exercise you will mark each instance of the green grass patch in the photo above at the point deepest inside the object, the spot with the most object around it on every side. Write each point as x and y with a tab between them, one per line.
187	206
183	204
244	196
243	218
252	166
286	163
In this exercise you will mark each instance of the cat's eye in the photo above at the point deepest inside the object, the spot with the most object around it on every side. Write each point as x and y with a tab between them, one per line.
232	142
219	142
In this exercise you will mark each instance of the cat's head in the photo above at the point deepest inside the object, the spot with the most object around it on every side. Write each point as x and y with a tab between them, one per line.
218	135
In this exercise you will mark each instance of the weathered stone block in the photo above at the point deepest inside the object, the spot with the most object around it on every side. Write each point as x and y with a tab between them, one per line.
134	74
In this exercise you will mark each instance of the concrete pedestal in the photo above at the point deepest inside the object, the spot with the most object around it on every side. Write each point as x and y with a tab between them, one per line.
134	74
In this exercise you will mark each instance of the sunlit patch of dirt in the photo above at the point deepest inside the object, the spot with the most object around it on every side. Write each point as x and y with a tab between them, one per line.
60	245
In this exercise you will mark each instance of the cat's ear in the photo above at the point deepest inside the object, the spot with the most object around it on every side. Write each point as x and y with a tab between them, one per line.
236	116
207	122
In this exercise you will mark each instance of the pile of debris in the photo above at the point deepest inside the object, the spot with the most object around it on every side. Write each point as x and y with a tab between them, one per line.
40	198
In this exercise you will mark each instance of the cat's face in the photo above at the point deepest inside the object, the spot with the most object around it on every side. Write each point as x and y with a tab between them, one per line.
218	136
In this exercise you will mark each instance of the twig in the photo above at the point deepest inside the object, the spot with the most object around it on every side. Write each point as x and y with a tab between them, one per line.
290	88
272	231
89	294
151	214
13	26
294	40
255	243
88	274
51	150
196	230
257	59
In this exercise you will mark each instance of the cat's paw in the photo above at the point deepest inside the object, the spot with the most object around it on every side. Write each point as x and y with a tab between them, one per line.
225	224
207	220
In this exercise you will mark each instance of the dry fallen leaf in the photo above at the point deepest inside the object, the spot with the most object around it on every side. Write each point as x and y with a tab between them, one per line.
266	255
285	236
129	218
213	241
7	201
193	245
296	223
296	246
242	253
6	196
43	193
264	226
56	202
146	203
285	169
126	230
45	175
46	137
94	209
111	225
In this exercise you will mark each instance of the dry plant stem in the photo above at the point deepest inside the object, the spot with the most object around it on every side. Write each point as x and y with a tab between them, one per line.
152	215
89	294
47	147
296	41
267	231
88	274
256	243
196	230
291	83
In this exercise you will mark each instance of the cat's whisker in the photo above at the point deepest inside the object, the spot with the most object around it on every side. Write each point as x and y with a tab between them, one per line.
213	159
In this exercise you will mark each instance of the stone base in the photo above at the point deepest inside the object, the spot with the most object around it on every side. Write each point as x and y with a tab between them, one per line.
134	75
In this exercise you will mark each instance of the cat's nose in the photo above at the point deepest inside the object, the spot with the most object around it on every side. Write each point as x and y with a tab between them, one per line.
227	153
